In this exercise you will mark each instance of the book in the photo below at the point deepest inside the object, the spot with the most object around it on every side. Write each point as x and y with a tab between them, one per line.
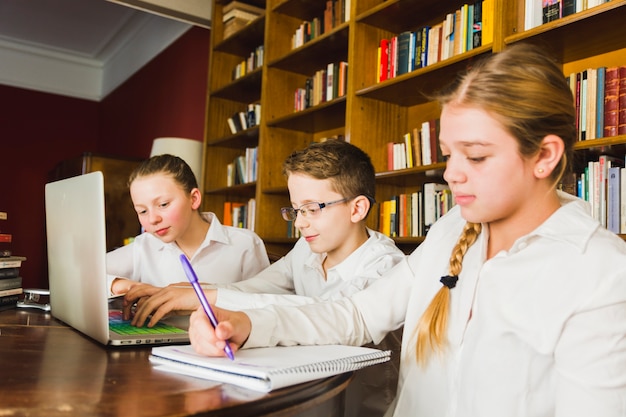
477	28
621	119
268	369
431	193
11	261
330	82
425	142
417	147
11	291
568	7
600	102
613	199
9	272
435	150
239	14
403	52
611	101
583	106
10	283
605	162
592	79
8	301
233	26
622	201
6	237
551	10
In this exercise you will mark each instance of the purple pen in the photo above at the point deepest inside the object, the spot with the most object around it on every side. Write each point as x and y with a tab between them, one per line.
193	278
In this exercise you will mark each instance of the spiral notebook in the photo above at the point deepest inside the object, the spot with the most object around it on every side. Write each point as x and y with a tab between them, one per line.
267	369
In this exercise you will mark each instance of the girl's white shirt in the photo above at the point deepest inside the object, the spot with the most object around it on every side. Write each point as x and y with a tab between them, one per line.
227	254
538	330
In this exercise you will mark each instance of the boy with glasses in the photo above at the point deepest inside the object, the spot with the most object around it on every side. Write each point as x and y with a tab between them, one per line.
331	187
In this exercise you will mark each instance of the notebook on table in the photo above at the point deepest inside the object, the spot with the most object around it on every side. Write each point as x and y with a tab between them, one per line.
76	239
271	368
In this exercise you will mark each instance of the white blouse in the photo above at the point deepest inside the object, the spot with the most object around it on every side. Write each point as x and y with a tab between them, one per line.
228	254
539	330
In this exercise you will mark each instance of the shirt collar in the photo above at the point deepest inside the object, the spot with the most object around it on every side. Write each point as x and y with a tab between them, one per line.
346	268
571	223
216	233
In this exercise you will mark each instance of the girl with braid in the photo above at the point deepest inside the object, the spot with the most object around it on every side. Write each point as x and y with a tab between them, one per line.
515	303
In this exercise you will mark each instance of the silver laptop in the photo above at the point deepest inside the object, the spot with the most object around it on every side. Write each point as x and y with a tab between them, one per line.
76	238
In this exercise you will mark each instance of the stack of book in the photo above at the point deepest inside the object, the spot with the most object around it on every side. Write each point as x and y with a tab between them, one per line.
241	120
10	279
243	169
236	15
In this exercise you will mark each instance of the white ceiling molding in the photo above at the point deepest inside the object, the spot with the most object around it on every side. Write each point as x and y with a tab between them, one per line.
195	12
148	41
34	67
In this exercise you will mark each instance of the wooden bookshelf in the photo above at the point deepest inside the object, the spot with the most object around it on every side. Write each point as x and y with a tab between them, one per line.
371	113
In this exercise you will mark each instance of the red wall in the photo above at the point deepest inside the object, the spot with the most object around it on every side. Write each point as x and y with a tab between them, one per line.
165	98
38	130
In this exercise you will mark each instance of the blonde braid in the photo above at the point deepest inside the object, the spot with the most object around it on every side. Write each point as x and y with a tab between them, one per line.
432	326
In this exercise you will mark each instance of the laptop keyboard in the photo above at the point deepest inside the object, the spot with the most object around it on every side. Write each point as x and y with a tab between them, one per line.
121	326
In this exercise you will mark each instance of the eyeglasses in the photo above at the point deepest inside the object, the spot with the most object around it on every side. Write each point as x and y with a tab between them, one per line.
308	210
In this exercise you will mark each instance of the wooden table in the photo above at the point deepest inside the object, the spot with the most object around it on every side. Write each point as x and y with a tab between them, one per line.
48	369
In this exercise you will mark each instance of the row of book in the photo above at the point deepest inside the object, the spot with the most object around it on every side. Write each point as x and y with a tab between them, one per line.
236	15
243	120
326	84
538	12
412	214
10	279
335	13
417	148
600	96
238	214
467	28
243	169
603	185
252	62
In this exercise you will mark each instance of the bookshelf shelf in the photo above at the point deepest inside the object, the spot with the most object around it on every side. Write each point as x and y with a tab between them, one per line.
329	47
398	15
601	143
423	81
563	35
324	116
246	89
240	42
372	113
427	173
302	9
246	189
245	139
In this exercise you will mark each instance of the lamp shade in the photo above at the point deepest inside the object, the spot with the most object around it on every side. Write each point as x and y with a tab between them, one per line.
188	150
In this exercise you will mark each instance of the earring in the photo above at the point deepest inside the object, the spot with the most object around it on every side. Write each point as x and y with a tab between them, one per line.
540	170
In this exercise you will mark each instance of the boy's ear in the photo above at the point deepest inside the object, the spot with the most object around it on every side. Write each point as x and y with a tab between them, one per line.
360	207
196	198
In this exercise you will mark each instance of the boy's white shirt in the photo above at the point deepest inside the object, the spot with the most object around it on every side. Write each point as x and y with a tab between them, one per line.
228	254
298	277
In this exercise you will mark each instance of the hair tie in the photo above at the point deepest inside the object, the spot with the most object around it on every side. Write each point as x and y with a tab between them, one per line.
449	281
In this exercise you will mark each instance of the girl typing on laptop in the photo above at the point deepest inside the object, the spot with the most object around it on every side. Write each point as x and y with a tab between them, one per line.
167	200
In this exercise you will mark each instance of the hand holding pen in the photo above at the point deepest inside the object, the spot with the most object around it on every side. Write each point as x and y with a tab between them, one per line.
193	279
